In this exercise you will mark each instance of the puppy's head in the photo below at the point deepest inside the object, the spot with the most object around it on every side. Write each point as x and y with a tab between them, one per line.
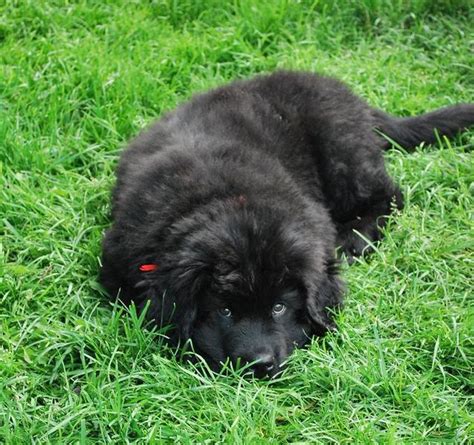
254	287
245	286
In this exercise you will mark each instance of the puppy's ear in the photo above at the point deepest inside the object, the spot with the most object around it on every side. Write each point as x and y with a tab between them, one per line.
186	283
324	298
184	312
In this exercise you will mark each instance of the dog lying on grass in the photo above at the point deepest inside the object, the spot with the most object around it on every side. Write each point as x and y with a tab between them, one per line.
228	211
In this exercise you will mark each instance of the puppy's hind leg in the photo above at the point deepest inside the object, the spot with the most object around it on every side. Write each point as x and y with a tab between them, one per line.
358	190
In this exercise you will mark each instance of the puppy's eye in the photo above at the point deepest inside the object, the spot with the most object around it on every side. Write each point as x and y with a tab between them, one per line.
225	312
278	309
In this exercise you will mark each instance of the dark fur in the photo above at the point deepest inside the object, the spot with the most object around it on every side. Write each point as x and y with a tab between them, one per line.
241	196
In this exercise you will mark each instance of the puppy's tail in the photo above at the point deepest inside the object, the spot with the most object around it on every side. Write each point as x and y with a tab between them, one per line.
411	131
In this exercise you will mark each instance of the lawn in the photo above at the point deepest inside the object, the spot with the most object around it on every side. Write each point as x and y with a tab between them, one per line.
80	78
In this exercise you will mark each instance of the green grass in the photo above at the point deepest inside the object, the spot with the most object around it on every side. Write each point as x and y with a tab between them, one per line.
79	78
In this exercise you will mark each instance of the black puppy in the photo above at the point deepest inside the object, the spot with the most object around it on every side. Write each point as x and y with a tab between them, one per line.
228	211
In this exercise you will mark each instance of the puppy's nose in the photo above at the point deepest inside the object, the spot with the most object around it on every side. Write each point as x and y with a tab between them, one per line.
264	364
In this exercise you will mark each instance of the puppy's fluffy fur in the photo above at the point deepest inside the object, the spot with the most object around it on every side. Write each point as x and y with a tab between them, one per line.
241	196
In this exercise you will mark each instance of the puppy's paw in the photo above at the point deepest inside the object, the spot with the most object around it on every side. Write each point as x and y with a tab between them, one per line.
356	238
